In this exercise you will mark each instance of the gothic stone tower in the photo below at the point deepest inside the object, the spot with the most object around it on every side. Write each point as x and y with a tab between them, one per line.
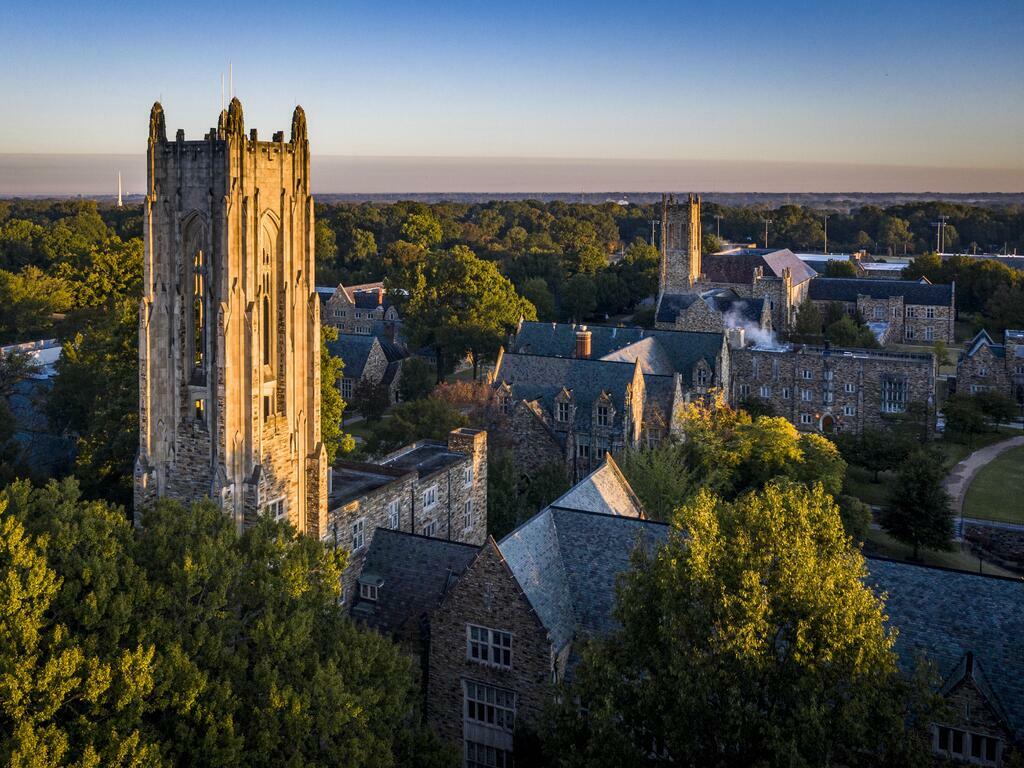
229	326
680	245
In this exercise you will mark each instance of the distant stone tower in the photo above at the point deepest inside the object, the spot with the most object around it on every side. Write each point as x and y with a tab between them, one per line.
680	245
229	326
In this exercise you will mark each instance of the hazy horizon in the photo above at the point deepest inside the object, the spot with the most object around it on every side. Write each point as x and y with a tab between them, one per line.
96	174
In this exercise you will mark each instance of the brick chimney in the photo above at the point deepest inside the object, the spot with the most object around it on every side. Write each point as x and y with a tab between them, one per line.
380	295
583	343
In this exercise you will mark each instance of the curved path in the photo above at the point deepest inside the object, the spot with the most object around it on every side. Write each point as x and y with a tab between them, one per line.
959	479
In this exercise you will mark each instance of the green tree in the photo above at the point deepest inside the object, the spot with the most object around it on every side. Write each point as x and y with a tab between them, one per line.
579	297
30	300
422	229
428	419
502	507
919	514
710	243
332	405
839	268
895	234
808	321
877	450
417	380
461	304
590	259
536	291
748	638
997	407
964	417
371	398
326	250
847	332
659	477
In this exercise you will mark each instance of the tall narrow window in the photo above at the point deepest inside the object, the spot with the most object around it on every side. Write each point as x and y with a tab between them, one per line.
198	311
266	329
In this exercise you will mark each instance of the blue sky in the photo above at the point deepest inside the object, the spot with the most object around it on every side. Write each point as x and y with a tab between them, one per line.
910	83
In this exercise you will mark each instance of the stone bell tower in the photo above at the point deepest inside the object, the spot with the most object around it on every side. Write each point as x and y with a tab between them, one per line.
229	326
680	245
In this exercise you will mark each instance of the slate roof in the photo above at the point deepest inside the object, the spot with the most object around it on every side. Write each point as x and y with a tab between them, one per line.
721	300
604	490
354	350
672	305
567	563
946	614
416	572
738	266
982	339
919	292
533	377
683	348
652	356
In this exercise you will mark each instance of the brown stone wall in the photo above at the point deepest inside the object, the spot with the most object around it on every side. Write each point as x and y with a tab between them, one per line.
486	595
919	321
696	317
970	711
983	371
835	382
534	444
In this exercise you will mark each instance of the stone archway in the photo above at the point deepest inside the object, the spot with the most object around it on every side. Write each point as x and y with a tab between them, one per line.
827	424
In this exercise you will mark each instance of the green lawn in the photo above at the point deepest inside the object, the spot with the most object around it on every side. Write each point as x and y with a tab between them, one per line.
996	491
882	544
859	481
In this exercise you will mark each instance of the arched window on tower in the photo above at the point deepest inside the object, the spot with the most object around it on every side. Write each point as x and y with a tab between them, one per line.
198	311
268	309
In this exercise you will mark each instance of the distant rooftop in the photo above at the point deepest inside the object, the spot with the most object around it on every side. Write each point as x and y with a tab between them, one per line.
424	457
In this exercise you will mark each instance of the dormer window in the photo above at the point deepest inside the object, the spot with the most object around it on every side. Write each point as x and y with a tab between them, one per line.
702	377
562	413
369	587
603	416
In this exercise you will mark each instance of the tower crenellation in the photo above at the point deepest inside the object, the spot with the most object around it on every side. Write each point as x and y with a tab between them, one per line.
229	325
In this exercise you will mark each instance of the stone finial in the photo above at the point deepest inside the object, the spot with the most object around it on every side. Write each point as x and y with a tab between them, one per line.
298	125
222	122
235	123
157	124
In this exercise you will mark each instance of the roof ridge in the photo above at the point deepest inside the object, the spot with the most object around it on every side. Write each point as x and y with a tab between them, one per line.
947	569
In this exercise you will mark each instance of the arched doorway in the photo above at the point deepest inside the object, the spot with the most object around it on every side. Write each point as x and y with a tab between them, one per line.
827	424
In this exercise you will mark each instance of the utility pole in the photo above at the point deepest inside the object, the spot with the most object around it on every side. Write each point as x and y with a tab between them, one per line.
940	233
718	225
826	234
766	223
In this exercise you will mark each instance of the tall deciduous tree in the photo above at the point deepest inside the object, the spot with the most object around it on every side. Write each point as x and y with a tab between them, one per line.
461	304
749	638
919	514
332	405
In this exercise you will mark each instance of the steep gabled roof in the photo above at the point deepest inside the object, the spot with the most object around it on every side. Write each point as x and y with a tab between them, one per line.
738	266
567	563
682	348
652	356
982	339
533	377
919	292
948	614
354	350
415	573
604	490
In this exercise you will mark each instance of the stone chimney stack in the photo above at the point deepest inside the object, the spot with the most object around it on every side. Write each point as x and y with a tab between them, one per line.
736	337
583	343
380	295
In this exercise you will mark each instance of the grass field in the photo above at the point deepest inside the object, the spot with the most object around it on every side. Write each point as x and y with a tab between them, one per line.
859	481
997	491
882	544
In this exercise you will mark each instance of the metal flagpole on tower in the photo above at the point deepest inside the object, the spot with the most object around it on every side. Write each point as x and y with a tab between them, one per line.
120	203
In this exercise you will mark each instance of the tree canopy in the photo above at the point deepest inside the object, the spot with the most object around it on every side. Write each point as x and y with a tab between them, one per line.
748	638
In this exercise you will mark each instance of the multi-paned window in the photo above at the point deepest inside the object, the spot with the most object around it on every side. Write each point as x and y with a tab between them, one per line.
430	497
199	408
894	394
849	410
359	534
368	591
563	412
744	390
583	450
929	312
393	515
483	756
489	646
785	393
908	332
487	705
467	514
430	529
805	394
911	312
806	418
850	388
702	377
766	392
807	373
602	415
964	745
467	475
346	388
275	509
929	333
601	448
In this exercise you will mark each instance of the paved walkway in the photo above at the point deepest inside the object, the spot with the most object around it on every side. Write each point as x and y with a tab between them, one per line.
959	479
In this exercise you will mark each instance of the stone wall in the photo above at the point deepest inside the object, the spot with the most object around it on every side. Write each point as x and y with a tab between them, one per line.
826	390
984	371
486	595
229	324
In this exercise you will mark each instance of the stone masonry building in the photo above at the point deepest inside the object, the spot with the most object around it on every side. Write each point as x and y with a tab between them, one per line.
985	366
374	360
830	390
915	311
364	309
229	325
435	489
